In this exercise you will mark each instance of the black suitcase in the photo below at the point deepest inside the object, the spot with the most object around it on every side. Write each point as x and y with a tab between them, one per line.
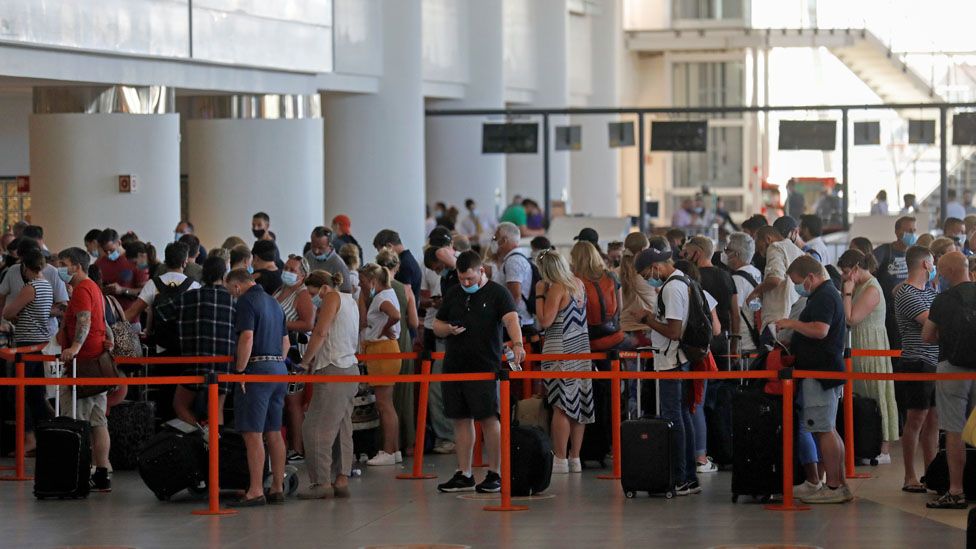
130	425
718	421
937	474
532	455
867	428
757	445
172	461
596	435
63	465
971	530
645	462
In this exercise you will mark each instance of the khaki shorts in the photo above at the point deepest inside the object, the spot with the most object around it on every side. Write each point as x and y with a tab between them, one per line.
90	409
954	398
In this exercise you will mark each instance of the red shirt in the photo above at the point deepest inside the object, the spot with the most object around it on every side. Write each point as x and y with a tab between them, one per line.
124	273
86	297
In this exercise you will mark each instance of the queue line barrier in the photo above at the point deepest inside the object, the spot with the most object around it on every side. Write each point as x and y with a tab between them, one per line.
504	377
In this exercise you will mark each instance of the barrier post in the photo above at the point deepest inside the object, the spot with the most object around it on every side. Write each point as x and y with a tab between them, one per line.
614	357
505	447
849	419
788	504
477	460
418	453
20	473
213	481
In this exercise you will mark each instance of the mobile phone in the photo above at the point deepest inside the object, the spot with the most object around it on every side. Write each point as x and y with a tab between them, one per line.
515	367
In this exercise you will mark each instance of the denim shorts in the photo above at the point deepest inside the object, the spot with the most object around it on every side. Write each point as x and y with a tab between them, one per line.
258	406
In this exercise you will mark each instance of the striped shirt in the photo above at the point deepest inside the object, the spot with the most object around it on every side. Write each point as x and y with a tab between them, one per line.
33	324
909	303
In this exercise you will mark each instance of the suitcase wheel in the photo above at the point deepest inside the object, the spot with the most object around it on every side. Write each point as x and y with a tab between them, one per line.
631	495
763	498
669	494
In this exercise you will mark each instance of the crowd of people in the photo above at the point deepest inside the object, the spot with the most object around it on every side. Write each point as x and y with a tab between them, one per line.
480	296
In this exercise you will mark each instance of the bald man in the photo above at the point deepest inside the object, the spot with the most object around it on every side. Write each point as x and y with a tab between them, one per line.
952	324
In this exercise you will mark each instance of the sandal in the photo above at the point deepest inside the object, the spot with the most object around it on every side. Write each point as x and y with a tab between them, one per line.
948	501
914	488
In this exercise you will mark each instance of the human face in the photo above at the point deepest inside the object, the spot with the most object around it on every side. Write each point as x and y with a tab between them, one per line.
851	274
955	231
321	246
294	266
691	253
110	247
906	227
471	277
761	245
615	256
259	225
182	228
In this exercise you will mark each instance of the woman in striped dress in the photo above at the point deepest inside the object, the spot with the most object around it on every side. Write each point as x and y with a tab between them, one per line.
30	311
561	309
296	304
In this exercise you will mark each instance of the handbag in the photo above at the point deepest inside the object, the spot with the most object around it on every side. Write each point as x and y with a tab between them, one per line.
127	342
776	360
609	325
103	366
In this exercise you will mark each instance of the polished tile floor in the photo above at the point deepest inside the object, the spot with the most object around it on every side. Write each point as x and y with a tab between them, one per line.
580	511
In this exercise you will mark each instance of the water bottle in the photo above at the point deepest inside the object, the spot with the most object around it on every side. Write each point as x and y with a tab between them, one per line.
755	304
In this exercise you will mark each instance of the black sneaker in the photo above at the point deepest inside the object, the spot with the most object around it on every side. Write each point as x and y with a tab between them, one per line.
295	457
491	485
458	483
100	481
683	489
694	487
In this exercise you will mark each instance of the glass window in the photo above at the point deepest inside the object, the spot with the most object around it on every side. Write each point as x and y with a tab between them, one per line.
719	167
717	84
707	9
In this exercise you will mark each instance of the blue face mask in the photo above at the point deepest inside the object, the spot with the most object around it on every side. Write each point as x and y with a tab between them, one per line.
317	301
932	274
322	257
114	255
655	282
372	292
801	290
143	266
63	274
289	278
250	269
909	239
471	289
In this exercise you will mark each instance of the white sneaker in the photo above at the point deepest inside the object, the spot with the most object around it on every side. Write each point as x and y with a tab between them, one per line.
884	459
382	459
398	457
560	466
806	489
707	467
575	465
444	447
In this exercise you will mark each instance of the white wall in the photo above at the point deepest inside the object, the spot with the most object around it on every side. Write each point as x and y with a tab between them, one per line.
445	40
239	167
75	161
15	110
358	37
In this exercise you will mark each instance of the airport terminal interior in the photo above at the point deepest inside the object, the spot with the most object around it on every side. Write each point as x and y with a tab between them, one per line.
406	147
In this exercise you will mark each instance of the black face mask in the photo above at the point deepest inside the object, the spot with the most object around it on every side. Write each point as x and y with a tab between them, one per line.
258	233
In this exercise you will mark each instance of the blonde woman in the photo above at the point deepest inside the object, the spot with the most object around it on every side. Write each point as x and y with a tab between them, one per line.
639	298
379	317
561	308
603	296
331	351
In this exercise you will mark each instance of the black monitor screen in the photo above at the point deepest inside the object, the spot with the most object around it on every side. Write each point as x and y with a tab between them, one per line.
569	138
964	128
621	134
867	133
510	138
806	135
921	132
679	136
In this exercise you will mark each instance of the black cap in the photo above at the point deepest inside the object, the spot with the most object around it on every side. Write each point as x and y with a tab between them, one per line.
589	235
439	237
649	257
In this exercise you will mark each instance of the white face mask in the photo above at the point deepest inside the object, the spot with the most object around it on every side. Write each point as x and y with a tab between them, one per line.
724	258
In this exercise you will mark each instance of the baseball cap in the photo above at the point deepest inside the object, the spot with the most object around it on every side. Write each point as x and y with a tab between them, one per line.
589	235
649	257
343	221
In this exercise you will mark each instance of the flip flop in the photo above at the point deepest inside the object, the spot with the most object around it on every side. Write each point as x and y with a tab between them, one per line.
914	488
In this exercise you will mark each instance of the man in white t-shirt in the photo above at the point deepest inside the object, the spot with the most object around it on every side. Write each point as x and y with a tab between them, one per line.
776	291
667	326
176	256
430	299
738	256
516	271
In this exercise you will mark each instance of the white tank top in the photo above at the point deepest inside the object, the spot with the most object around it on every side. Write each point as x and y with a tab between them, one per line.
340	344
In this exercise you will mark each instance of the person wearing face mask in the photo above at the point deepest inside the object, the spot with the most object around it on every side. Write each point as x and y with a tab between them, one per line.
261	229
913	299
331	351
171	284
296	304
241	258
267	273
91	244
474	226
818	343
955	229
775	291
198	255
893	270
864	310
205	318
15	279
379	318
120	277
719	284
322	256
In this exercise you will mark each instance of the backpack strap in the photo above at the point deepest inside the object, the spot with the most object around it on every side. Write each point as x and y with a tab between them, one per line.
526	292
747	277
603	304
813	253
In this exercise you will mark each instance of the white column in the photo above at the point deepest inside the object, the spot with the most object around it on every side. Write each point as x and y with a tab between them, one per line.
374	144
456	169
596	186
524	172
238	167
75	163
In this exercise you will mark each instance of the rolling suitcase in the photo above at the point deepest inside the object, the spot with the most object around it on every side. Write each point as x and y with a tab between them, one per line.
130	425
532	456
64	454
173	461
867	428
645	461
757	437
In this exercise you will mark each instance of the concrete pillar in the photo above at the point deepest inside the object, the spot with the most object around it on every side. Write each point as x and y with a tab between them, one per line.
374	144
524	171
456	169
255	153
81	142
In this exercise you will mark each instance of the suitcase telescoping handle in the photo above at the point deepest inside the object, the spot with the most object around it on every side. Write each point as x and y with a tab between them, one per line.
59	368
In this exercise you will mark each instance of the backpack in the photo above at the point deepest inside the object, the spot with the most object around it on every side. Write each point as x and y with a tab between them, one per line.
697	334
536	277
166	334
602	313
756	316
126	339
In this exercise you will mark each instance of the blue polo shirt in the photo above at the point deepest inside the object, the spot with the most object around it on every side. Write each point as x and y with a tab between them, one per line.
827	354
259	312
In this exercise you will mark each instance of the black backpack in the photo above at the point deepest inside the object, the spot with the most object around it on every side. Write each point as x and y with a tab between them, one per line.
536	277
166	334
697	335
